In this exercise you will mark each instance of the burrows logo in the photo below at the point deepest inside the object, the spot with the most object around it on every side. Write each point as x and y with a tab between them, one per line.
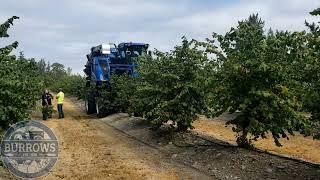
29	149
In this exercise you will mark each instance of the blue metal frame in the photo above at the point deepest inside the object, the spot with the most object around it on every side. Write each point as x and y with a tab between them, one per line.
99	73
112	63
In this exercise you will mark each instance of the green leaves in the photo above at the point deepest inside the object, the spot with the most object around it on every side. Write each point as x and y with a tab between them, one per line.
71	84
268	77
170	86
20	85
256	76
121	96
4	33
310	75
6	25
315	12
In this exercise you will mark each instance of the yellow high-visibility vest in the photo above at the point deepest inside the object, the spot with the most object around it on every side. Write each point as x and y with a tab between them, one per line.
60	97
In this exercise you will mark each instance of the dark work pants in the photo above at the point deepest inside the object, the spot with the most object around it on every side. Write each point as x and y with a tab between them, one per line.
60	110
44	113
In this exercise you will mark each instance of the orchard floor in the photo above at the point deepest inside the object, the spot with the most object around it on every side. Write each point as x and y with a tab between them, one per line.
122	147
298	146
211	156
89	149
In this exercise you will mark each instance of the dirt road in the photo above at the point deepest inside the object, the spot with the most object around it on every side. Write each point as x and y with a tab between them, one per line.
89	149
122	147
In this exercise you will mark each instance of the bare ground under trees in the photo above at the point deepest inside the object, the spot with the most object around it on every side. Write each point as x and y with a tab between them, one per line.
120	147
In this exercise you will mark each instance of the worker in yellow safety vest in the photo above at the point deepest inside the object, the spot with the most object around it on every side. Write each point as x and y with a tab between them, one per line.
60	98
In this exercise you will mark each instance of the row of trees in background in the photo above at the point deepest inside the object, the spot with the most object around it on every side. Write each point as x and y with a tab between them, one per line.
23	80
270	78
56	76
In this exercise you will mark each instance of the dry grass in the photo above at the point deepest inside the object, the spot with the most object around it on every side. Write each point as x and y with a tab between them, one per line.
298	146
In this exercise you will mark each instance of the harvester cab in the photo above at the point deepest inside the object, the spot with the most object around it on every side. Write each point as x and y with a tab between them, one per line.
128	56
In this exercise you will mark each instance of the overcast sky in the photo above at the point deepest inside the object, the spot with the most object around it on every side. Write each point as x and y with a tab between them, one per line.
64	30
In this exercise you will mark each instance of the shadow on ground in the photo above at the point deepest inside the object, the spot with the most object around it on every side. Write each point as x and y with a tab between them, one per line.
224	162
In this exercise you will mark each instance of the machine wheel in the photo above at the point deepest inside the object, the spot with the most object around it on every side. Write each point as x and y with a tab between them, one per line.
101	112
91	104
97	108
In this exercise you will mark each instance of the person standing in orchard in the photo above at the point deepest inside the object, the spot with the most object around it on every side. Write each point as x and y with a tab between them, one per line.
44	105
49	102
60	99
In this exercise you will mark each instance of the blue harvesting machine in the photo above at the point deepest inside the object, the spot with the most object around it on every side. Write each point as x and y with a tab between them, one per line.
106	60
